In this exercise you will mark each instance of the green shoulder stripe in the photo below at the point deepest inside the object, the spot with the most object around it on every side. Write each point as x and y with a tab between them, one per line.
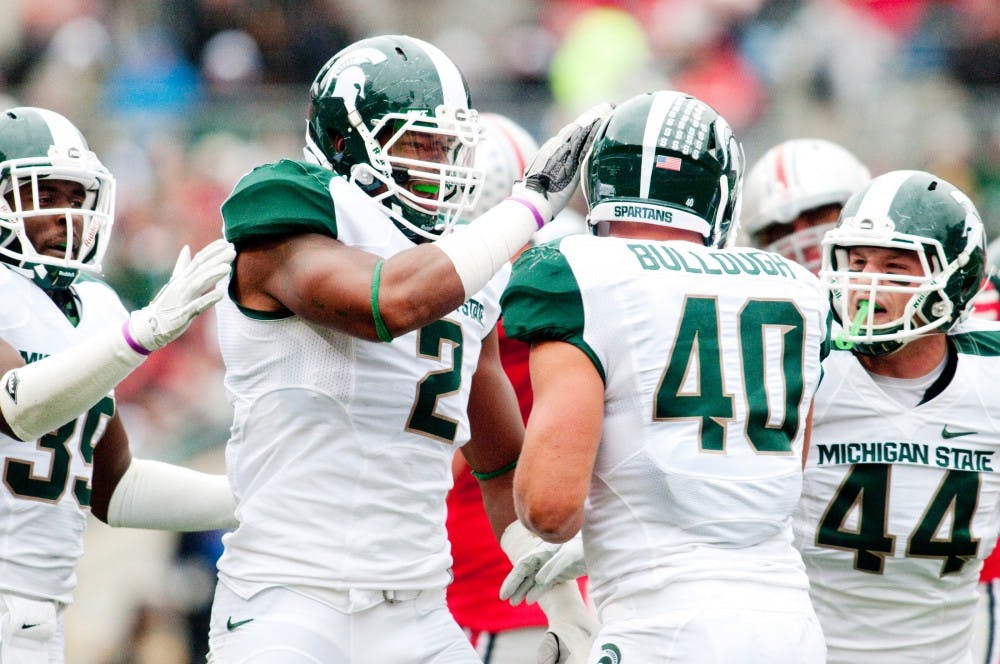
985	343
281	198
83	276
827	344
542	301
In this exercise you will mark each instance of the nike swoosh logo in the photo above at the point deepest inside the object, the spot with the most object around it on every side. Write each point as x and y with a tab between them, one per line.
27	626
955	434
231	625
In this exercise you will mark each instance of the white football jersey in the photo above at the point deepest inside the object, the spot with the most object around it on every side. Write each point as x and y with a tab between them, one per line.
900	507
45	495
710	359
340	450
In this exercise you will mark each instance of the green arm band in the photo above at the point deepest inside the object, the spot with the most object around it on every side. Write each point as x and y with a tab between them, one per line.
496	473
383	334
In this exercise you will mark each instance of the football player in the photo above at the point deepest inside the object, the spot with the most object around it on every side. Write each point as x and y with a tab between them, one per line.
501	632
986	627
360	350
900	495
65	342
672	381
794	193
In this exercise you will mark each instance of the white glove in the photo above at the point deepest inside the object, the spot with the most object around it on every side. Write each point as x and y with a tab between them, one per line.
190	291
571	626
566	564
553	175
530	555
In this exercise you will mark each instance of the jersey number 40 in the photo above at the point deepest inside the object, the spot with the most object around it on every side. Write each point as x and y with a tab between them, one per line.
698	341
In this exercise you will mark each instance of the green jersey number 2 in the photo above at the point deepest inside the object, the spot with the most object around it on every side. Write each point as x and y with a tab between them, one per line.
683	395
434	341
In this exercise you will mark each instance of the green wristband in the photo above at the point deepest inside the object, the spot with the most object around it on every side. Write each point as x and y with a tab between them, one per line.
380	330
496	473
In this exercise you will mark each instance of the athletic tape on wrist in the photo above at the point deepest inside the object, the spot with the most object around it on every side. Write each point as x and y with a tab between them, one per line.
539	219
481	248
132	343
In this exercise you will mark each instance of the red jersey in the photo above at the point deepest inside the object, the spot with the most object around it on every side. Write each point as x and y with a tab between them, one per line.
987	305
480	565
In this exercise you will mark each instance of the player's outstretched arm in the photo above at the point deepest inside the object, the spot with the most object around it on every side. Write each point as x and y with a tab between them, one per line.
44	395
141	493
333	284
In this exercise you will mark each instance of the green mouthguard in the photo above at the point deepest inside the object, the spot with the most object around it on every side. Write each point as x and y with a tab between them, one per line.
842	342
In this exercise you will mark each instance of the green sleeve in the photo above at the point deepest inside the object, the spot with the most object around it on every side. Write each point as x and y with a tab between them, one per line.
542	302
281	198
985	343
827	345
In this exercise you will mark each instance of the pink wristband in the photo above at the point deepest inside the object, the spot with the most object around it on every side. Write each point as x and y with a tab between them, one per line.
538	216
132	343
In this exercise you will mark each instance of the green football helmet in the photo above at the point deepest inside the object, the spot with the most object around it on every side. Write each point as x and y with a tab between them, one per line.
37	144
909	211
665	158
392	114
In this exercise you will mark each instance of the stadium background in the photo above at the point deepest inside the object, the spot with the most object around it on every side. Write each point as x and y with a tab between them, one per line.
181	97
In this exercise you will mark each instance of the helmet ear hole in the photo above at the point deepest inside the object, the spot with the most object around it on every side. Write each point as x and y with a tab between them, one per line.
337	141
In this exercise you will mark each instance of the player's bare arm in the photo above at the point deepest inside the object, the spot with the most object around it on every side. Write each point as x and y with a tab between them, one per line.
111	459
329	283
497	432
560	446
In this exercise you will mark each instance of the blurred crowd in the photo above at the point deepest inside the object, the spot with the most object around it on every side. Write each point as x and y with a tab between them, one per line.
181	97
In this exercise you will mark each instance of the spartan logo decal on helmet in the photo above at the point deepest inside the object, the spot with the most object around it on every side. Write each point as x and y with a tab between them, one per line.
909	211
392	114
791	178
667	159
37	145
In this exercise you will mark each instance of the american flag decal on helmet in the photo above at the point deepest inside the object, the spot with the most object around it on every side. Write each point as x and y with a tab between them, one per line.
669	163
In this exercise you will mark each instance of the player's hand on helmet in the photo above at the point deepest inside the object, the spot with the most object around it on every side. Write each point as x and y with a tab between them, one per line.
190	291
553	175
558	562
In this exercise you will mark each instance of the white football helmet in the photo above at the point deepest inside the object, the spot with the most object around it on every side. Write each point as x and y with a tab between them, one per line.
794	177
503	153
37	144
